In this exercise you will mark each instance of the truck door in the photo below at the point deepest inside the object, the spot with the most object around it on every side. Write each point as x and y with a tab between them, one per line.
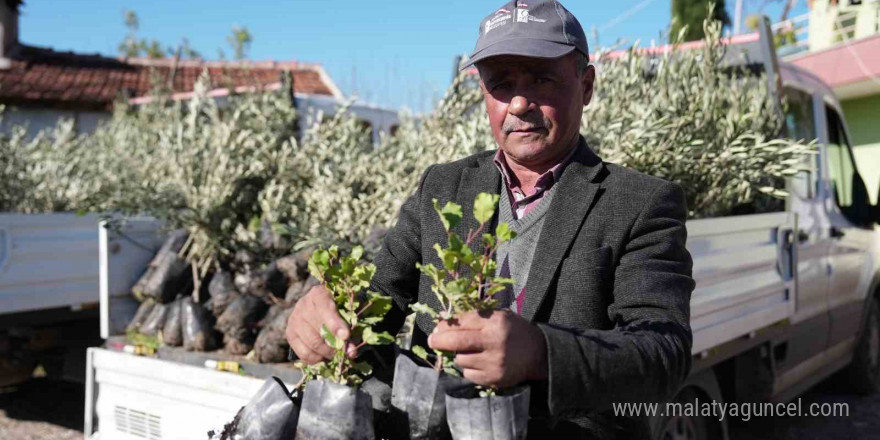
810	323
849	232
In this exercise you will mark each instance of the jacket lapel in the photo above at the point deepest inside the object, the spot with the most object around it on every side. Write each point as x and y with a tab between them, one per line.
574	196
485	178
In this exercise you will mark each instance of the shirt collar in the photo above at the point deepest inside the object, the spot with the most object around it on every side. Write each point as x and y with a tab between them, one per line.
544	182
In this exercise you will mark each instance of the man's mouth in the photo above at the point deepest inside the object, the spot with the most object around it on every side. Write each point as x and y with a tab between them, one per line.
528	130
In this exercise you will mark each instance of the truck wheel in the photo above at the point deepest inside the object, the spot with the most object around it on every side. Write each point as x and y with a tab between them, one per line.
686	427
864	372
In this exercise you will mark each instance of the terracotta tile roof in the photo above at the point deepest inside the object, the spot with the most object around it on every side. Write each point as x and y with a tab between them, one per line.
68	80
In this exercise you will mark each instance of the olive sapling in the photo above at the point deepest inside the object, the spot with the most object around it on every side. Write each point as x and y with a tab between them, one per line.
466	282
348	281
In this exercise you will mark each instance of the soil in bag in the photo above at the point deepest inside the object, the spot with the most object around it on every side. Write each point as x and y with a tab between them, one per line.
155	322
334	412
167	274
239	322
504	416
271	344
141	315
172	334
418	398
198	328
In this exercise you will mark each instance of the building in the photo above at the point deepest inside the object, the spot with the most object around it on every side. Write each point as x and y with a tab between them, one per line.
40	86
844	51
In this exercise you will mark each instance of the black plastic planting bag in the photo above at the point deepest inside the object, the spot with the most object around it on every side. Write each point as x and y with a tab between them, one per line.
295	267
335	412
172	333
504	416
239	323
155	322
271	344
271	414
141	315
222	292
198	329
418	397
262	282
300	289
241	316
167	274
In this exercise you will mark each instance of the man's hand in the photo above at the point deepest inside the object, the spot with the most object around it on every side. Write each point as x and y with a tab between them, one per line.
499	350
304	326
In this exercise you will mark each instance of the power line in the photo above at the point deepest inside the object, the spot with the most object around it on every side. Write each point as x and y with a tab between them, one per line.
625	15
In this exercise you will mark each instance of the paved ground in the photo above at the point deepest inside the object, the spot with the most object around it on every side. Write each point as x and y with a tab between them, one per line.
49	410
42	409
863	421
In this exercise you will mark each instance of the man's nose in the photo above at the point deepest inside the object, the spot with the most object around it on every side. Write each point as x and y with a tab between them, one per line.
520	105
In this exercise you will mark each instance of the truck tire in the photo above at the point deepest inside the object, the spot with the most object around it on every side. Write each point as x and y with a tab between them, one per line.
863	374
686	427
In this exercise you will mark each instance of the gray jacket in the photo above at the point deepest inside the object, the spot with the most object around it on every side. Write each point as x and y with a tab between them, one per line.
609	287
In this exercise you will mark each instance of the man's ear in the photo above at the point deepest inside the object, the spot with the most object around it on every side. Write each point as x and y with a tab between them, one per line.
587	80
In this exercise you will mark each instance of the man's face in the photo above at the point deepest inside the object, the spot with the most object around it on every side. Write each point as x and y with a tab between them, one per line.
534	104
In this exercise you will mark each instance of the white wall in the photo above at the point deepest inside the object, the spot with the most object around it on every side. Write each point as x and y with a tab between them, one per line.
41	119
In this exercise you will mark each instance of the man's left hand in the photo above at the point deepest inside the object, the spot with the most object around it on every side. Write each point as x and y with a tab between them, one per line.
500	349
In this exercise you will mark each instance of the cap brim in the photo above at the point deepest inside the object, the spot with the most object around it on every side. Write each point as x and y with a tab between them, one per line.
526	47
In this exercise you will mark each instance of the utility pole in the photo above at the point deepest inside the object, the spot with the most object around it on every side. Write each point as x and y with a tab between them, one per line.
737	17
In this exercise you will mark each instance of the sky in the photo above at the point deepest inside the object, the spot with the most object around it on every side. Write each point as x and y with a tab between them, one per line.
394	53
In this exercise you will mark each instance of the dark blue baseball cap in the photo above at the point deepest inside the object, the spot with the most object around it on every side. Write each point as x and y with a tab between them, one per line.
531	28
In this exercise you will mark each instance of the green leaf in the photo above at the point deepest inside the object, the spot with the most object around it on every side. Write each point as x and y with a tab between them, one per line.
363	368
504	233
379	305
357	252
420	351
450	214
331	339
484	207
423	308
373	338
319	262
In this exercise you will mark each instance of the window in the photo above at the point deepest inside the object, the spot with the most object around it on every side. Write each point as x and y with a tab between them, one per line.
800	125
849	189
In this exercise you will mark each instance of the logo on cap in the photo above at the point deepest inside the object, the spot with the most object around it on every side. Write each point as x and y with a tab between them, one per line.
523	16
497	21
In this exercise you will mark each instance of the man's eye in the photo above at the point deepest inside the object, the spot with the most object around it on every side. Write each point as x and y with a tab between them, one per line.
543	80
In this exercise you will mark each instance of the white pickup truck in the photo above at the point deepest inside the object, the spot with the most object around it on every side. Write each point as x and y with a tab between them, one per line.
783	299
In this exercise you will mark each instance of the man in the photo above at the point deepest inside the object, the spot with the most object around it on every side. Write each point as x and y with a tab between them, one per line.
599	313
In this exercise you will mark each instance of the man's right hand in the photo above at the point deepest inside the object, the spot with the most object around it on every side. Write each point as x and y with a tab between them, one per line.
303	333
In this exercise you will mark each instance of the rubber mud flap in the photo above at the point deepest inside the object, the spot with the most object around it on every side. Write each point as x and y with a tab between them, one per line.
504	416
335	412
418	398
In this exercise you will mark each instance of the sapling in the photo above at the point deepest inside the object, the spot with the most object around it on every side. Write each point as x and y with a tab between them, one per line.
466	282
348	280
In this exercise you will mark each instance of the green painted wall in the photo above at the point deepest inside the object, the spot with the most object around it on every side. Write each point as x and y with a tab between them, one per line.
863	118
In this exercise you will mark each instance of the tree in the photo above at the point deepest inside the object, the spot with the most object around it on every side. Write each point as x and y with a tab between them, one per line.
240	41
691	13
132	46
